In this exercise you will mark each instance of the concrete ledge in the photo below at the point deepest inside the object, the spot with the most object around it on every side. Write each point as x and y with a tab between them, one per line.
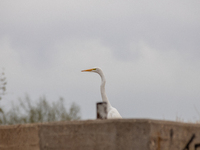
123	134
19	137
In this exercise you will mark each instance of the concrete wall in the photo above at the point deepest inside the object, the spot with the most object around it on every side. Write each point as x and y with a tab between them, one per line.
124	134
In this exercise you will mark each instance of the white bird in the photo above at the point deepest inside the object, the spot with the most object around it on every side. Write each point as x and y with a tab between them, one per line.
112	112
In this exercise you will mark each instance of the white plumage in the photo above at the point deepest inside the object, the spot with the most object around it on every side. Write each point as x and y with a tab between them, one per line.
112	112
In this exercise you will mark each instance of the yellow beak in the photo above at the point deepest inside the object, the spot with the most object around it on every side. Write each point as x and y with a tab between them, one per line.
87	70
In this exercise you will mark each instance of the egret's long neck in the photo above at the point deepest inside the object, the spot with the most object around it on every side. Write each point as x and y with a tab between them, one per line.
103	92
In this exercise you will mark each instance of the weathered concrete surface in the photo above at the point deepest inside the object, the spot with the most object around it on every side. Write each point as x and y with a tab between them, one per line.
19	137
174	136
123	134
95	135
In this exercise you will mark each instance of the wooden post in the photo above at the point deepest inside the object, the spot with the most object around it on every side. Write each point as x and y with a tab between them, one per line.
102	110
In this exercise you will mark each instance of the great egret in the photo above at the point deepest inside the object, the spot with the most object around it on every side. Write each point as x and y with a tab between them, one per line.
112	112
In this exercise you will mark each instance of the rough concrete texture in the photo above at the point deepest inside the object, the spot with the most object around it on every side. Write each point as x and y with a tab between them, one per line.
95	135
19	137
174	136
122	134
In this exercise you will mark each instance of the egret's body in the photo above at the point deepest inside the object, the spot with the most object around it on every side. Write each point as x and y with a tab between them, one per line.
112	112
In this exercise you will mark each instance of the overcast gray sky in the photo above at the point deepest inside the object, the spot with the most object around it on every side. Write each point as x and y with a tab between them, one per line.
149	52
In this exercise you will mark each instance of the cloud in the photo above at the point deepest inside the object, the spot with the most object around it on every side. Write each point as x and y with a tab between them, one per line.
163	25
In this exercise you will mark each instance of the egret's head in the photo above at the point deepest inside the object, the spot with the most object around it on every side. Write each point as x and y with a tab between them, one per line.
96	70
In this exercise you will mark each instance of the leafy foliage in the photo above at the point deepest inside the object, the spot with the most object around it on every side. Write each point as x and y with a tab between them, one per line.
2	84
42	111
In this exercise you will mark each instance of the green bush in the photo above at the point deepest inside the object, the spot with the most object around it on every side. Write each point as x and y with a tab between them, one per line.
2	84
42	111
